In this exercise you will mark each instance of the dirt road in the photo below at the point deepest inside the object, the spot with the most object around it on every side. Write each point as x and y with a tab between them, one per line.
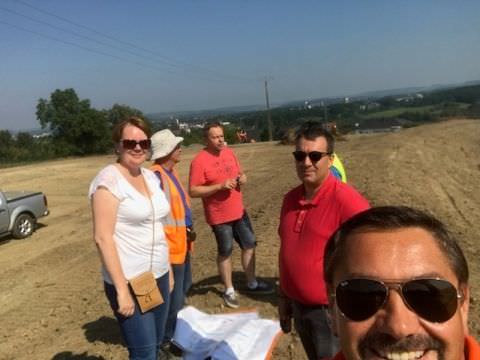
52	304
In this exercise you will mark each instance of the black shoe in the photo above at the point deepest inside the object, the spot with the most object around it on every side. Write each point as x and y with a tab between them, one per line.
262	288
170	351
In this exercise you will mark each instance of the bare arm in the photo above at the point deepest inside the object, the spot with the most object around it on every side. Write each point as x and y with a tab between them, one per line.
285	311
104	208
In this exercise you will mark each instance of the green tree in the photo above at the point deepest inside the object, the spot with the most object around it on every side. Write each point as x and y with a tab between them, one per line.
6	138
77	129
121	112
25	140
6	144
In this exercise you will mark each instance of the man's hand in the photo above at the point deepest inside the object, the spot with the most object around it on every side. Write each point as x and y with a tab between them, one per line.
285	313
229	184
242	179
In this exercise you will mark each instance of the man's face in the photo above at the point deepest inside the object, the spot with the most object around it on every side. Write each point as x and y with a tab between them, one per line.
395	331
215	140
313	173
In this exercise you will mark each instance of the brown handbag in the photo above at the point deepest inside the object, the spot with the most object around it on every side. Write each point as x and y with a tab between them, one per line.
144	286
146	291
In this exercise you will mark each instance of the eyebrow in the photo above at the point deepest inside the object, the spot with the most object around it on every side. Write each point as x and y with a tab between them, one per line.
432	274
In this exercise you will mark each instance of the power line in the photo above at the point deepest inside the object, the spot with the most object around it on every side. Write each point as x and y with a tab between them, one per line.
77	34
159	57
93	50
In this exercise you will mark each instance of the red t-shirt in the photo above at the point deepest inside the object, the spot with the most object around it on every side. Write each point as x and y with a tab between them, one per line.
305	227
208	169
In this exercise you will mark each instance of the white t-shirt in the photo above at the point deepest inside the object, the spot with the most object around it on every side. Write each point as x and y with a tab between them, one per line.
133	234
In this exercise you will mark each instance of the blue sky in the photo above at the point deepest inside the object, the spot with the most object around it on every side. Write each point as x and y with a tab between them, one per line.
187	55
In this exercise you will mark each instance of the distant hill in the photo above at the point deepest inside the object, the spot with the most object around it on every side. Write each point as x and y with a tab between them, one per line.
200	114
376	94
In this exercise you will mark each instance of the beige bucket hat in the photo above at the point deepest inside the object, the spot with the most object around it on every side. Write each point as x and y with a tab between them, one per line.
163	143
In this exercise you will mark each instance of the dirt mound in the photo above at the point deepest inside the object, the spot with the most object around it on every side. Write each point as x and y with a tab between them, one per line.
52	304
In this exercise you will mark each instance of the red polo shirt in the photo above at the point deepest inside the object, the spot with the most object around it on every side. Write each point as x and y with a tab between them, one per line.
305	227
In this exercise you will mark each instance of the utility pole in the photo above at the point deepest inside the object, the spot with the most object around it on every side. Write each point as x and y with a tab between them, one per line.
324	112
269	115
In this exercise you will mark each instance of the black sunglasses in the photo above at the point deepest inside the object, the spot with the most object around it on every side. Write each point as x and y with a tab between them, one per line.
434	300
314	156
131	144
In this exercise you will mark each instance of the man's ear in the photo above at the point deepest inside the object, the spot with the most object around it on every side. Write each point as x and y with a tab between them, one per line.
464	306
331	158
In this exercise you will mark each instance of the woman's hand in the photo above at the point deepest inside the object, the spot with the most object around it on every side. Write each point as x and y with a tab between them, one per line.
171	279
126	304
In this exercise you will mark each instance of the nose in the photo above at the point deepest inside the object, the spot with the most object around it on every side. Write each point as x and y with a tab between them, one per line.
137	148
396	319
307	162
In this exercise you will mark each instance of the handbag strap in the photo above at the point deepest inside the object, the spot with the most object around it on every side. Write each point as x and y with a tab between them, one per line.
153	218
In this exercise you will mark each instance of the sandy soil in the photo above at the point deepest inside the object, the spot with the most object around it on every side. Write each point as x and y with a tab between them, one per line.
51	299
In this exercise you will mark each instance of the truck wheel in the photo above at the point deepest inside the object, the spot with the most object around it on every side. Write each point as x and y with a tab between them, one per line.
23	227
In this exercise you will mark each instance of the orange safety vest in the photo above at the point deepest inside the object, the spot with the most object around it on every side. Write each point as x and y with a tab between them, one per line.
174	223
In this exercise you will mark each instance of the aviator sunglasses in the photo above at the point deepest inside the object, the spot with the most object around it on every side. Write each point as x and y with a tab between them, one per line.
434	300
131	144
314	156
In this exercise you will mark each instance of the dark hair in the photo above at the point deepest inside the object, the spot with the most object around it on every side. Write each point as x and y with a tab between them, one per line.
117	131
392	218
311	130
208	126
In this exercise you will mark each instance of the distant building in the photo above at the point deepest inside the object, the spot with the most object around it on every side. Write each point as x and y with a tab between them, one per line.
369	106
410	98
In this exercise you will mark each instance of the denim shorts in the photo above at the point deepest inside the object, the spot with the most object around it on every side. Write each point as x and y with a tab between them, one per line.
239	230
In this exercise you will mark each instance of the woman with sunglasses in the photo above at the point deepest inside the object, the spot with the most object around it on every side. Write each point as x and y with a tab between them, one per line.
128	206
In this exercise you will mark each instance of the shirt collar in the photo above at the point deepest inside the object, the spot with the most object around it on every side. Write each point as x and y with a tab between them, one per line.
328	184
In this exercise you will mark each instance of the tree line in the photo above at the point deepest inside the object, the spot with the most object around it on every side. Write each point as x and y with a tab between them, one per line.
78	129
75	128
433	106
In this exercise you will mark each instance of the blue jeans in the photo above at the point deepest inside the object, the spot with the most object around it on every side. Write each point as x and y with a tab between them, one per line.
239	230
143	333
182	274
311	324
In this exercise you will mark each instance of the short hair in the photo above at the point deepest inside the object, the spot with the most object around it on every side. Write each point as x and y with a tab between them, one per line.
208	126
134	121
394	218
311	130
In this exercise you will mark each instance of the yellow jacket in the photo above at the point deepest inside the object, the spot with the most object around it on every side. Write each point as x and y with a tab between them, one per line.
338	168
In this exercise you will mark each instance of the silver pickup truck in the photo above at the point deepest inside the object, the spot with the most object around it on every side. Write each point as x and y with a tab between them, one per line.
19	211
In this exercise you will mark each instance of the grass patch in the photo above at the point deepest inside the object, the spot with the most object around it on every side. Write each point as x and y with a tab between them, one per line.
397	111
